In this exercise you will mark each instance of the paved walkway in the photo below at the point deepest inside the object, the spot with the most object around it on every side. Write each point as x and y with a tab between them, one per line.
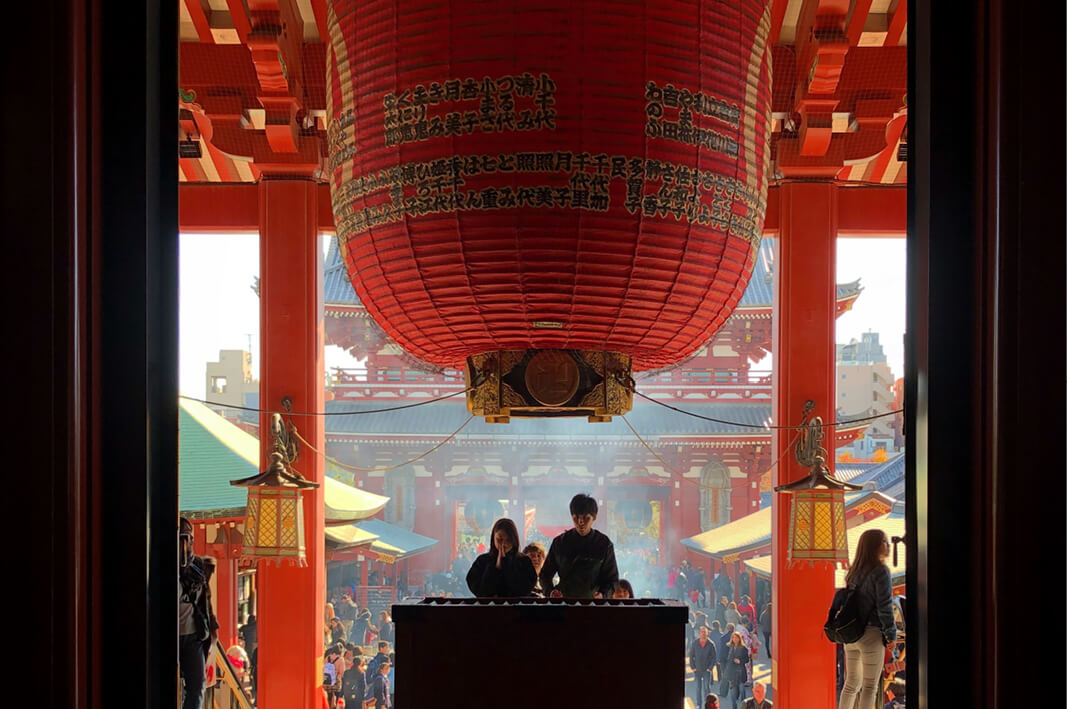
761	672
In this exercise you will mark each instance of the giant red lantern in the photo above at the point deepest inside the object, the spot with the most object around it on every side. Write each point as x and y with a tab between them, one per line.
551	192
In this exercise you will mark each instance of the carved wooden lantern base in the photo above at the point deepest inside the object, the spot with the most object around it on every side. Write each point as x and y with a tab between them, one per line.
537	383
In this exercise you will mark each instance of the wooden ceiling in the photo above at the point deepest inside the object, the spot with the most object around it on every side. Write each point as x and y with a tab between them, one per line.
252	89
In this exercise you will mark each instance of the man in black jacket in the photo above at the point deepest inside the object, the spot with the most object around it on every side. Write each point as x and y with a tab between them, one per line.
583	557
758	700
197	627
702	657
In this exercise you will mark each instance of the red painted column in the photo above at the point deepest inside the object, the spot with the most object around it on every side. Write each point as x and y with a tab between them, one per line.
291	599
804	355
226	599
225	593
671	525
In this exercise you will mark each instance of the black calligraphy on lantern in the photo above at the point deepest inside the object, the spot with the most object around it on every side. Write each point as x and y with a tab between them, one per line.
670	113
508	103
584	181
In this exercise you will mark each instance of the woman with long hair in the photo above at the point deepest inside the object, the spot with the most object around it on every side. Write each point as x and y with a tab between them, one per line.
736	669
503	571
869	575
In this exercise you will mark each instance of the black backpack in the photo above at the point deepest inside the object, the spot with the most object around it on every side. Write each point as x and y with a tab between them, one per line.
847	620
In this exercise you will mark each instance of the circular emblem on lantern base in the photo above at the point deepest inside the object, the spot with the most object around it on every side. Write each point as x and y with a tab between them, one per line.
552	377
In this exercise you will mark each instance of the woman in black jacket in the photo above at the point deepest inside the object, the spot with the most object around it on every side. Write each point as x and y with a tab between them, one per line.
503	571
865	657
736	669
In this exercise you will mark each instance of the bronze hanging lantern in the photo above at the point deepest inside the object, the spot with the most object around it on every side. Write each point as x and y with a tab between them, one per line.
274	513
817	531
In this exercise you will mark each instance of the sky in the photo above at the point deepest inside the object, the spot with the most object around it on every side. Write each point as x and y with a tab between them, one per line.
220	311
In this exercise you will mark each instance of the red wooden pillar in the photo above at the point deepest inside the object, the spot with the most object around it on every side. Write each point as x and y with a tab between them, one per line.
804	355
671	533
291	599
225	583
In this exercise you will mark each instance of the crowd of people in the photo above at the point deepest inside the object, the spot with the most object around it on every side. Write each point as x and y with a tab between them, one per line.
725	636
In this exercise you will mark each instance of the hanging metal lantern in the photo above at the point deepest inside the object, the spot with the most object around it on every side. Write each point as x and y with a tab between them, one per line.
817	531
274	512
552	194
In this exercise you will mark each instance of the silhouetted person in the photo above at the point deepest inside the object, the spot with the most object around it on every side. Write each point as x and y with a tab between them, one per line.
504	571
583	557
197	627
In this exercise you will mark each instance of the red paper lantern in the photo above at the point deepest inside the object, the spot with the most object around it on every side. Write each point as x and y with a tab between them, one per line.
581	175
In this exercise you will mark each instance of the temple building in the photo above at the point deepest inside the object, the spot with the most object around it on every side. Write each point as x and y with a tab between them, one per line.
695	475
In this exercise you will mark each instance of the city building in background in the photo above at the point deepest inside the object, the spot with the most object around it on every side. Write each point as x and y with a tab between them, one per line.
866	387
229	380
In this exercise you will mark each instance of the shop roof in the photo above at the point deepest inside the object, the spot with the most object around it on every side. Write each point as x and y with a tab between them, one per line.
751	531
393	541
214	451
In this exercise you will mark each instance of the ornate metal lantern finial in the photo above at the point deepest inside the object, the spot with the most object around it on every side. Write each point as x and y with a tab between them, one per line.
810	454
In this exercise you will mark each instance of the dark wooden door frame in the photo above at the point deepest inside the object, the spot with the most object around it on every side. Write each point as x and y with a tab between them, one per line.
90	226
984	418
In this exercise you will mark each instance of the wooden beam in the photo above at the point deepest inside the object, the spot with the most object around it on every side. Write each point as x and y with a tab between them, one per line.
198	12
233	207
239	15
214	207
881	161
319	8
778	9
857	20
897	24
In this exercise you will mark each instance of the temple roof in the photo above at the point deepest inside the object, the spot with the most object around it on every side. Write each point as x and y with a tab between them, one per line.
213	451
888	477
336	288
443	417
393	541
338	291
848	471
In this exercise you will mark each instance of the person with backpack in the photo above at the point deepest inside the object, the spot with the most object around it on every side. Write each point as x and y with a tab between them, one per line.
862	618
382	656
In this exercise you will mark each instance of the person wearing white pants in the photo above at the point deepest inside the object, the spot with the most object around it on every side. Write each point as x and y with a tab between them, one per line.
864	658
